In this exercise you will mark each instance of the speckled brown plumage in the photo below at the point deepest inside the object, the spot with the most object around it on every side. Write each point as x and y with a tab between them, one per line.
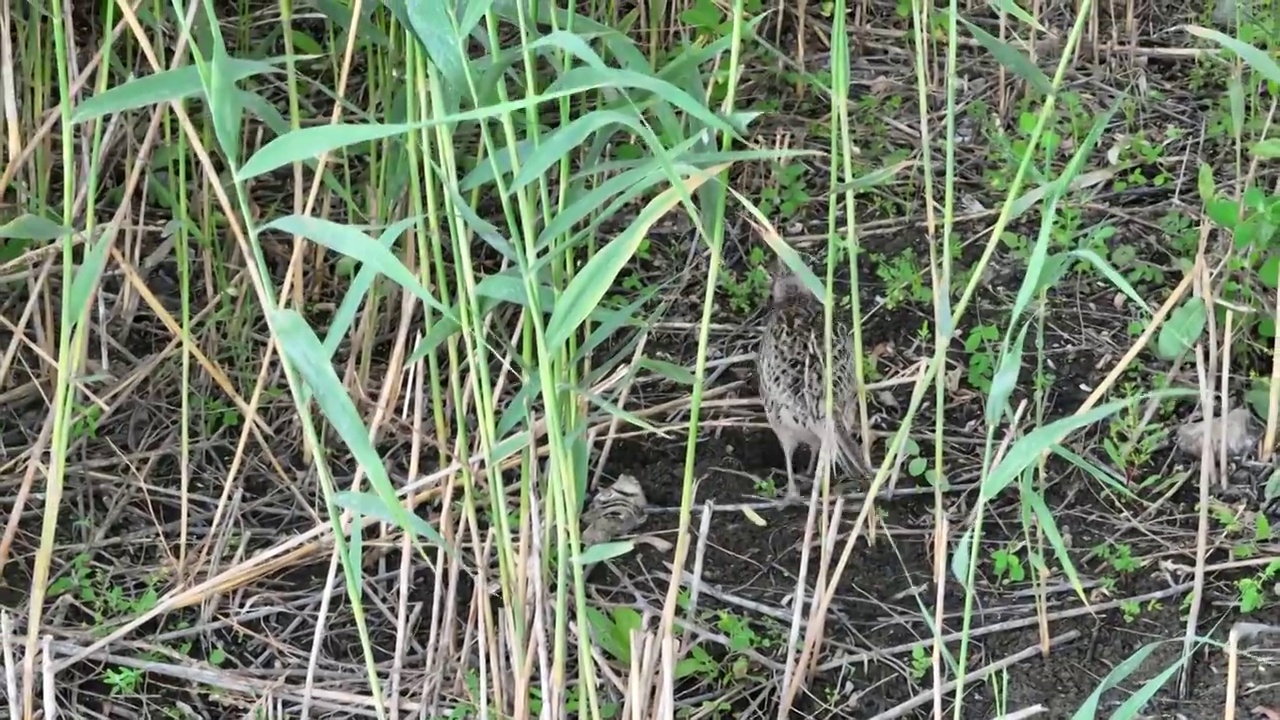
789	369
614	511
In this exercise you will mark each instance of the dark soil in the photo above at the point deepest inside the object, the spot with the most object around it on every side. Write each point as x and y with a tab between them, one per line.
887	588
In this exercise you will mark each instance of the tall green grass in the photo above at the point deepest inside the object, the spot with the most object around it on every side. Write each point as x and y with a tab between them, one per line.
470	153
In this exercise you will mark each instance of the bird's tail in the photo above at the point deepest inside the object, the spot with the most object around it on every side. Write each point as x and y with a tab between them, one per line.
851	454
846	452
850	449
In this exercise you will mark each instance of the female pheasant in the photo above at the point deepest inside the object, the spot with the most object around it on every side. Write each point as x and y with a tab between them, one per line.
790	369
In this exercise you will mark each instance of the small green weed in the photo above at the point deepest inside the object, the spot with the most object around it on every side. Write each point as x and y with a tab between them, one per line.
106	602
1253	590
1131	440
766	487
1130	609
787	195
1143	157
123	680
103	599
1253	225
86	419
980	344
1008	567
219	414
903	277
920	662
748	292
919	465
1119	557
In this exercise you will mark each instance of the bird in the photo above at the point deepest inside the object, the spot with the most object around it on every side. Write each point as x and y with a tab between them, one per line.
790	372
614	511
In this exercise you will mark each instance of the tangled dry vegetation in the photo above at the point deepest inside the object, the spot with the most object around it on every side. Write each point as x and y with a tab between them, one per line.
307	375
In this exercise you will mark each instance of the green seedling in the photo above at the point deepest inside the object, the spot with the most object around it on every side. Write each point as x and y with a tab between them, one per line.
981	344
86	419
920	662
1130	609
1008	567
749	290
903	278
1253	590
787	195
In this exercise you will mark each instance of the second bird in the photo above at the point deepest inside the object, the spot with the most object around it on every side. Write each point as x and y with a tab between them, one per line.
790	370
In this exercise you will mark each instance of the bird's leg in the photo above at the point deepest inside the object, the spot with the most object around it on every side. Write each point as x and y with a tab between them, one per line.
788	438
816	445
789	450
